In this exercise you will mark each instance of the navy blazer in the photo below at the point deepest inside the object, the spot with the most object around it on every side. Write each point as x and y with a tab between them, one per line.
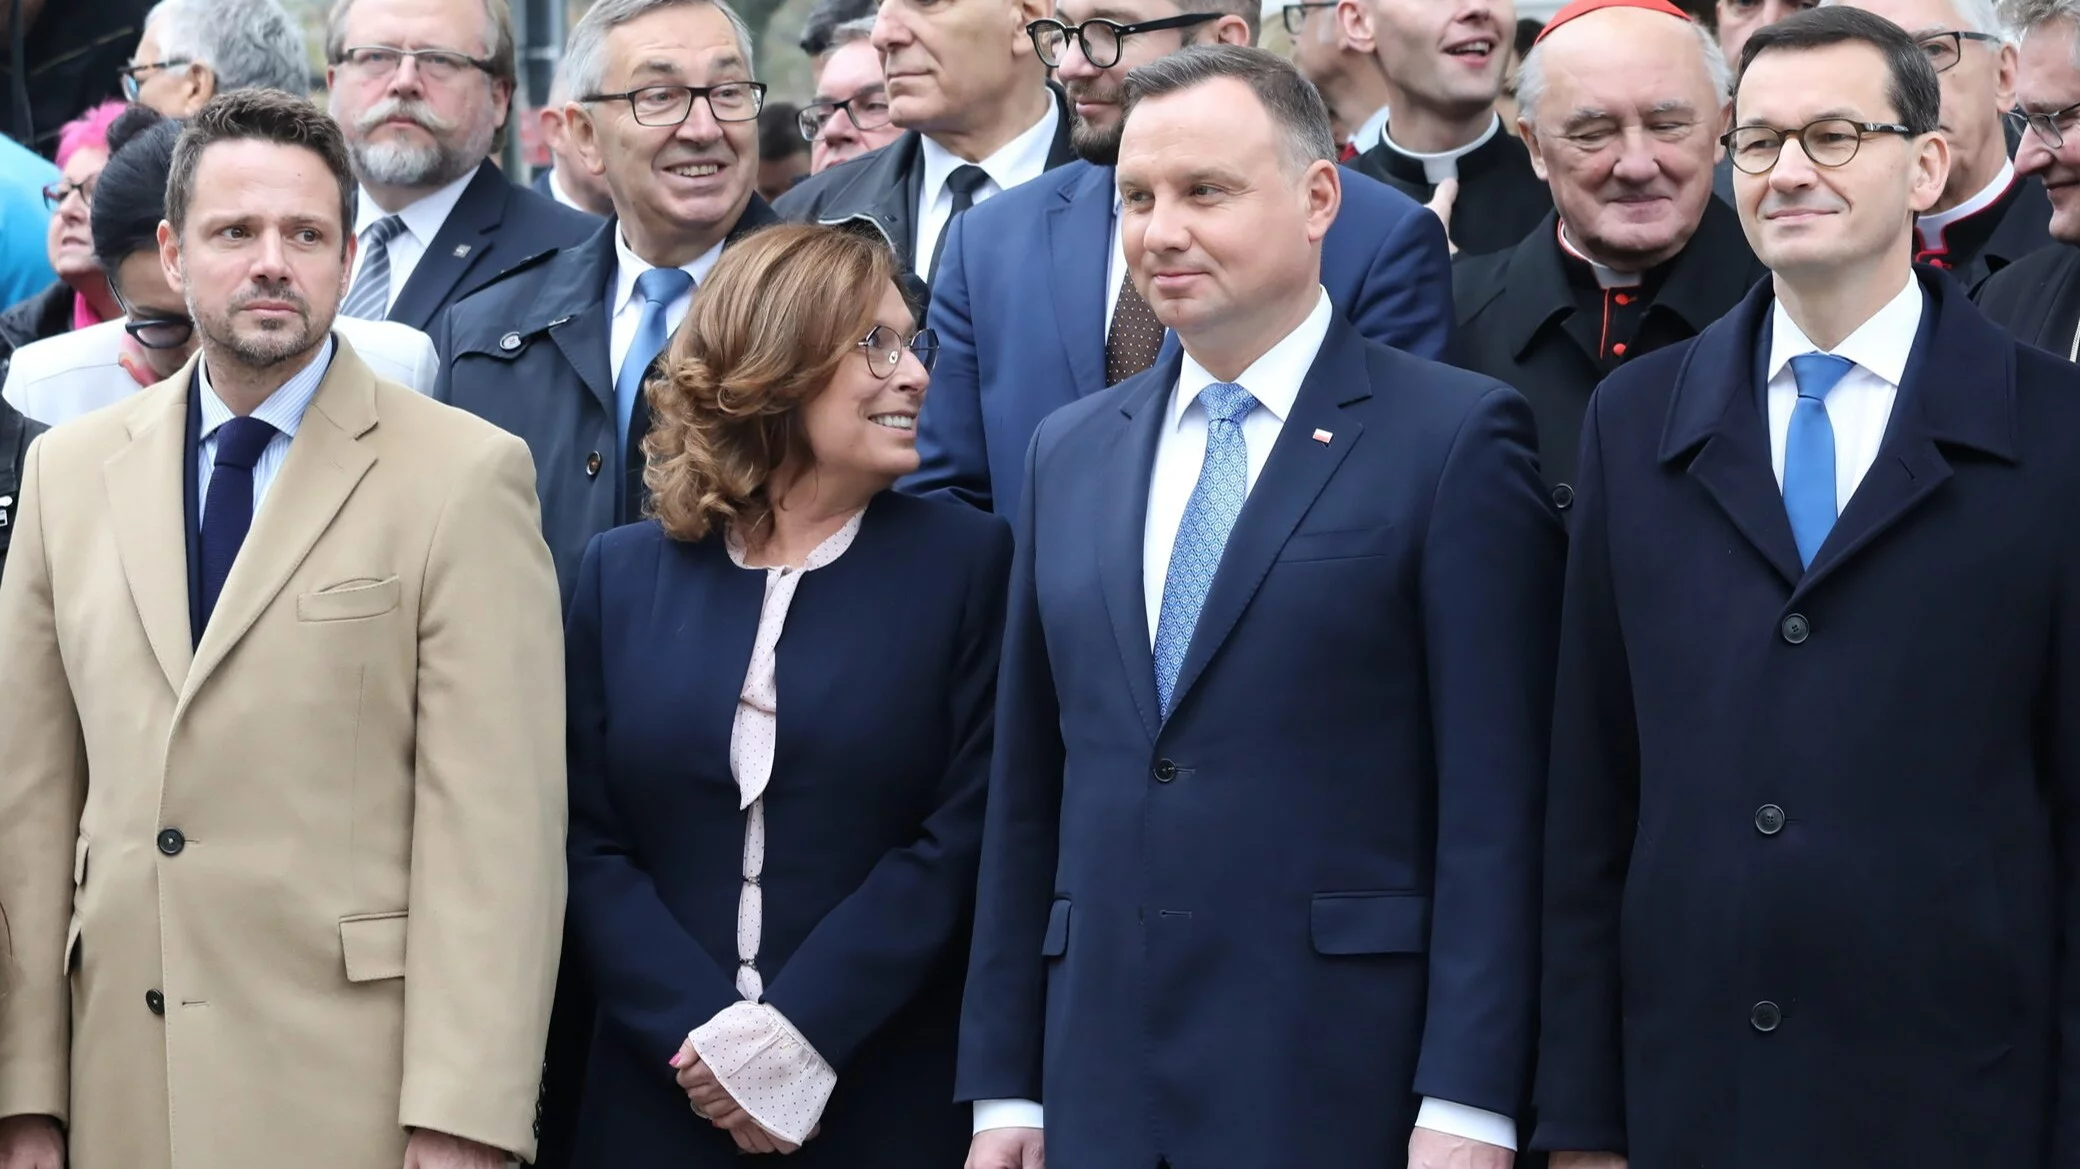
1006	360
1813	896
496	225
887	671
1253	934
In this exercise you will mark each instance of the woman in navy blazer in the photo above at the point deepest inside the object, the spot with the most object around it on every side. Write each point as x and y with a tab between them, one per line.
781	696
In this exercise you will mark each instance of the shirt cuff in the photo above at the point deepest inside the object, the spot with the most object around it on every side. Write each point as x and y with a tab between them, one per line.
767	1067
991	1114
1463	1120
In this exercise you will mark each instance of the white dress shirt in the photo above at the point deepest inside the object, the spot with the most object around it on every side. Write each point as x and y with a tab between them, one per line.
422	221
1274	380
1020	160
1444	164
625	306
1116	267
283	410
1930	227
1861	403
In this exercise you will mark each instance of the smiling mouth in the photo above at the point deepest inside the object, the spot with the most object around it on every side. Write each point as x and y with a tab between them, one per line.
902	422
1472	50
695	170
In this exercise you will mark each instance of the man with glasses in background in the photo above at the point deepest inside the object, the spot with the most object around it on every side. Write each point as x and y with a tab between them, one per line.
1327	52
849	115
2038	297
1989	216
193	50
423	90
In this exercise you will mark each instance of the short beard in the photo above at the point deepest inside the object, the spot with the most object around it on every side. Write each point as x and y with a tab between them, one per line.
1095	145
399	164
277	340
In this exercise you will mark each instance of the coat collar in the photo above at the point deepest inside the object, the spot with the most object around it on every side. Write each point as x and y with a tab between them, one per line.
465	235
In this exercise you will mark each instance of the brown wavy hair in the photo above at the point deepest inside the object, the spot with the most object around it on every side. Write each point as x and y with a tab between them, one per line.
764	337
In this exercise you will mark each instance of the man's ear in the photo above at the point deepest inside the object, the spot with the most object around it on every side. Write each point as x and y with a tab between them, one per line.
170	257
200	85
1354	18
1231	29
584	137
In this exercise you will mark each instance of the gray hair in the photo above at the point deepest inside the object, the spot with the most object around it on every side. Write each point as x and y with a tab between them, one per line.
1295	106
1980	16
585	58
498	40
2026	17
854	31
248	44
1531	74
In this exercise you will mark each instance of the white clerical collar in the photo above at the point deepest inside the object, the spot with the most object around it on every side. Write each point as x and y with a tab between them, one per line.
1932	225
1606	276
1445	163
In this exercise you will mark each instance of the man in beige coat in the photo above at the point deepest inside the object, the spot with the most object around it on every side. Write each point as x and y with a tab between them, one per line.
281	758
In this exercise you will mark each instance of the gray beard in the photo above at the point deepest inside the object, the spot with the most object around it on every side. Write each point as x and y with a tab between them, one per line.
395	164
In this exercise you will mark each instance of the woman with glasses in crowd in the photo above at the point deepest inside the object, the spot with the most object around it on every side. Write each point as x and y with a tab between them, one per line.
781	694
151	336
80	296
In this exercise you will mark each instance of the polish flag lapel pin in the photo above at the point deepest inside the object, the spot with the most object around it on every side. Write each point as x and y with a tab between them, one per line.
1323	437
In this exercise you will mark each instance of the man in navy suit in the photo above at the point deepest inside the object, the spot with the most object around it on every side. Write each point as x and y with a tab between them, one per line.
1260	867
1812	896
1032	304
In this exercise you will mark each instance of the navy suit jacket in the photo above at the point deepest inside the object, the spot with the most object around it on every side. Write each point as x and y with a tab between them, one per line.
1256	932
496	225
1813	891
1020	311
887	672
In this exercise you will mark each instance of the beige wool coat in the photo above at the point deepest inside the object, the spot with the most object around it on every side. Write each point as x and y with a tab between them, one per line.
278	897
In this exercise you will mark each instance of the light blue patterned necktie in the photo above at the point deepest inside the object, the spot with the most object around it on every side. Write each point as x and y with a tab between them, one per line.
658	287
1809	466
1202	535
370	299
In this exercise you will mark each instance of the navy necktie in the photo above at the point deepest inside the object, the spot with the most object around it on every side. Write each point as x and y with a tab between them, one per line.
227	512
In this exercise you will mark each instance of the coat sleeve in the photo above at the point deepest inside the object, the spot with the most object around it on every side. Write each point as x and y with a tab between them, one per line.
2062	737
487	878
1592	812
1003	1014
952	446
873	952
43	786
1489	596
1406	301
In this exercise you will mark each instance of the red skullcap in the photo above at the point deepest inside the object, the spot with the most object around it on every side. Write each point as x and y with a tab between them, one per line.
1580	8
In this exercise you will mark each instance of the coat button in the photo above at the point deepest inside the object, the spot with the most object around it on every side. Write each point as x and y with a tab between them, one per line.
1796	629
1764	1016
1563	496
155	1002
509	342
1769	819
592	465
1165	771
171	842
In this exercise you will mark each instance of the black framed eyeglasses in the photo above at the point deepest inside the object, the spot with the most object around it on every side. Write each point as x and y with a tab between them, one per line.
2051	126
1828	142
1295	15
1100	39
375	62
1946	49
669	105
55	194
884	349
133	74
866	110
168	332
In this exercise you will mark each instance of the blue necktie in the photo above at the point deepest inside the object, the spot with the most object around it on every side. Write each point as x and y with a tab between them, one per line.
1809	452
370	299
227	512
1202	535
658	287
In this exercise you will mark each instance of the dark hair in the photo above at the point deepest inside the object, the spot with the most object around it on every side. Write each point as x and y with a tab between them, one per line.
1295	106
820	30
130	195
262	115
1916	95
1528	29
779	134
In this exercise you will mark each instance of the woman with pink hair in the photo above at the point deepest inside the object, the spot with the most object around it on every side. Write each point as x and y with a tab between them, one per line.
81	296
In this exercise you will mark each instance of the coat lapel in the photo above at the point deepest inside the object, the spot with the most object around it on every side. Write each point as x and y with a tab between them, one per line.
145	497
1298	469
463	239
1079	240
324	464
1124	467
575	311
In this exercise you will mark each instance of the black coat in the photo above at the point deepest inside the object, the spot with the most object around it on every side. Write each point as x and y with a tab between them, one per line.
2037	298
496	226
2018	223
1500	197
1517	323
16	433
1811	867
46	314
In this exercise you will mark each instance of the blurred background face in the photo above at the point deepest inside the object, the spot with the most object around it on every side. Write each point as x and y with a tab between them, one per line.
1802	218
852	73
862	427
1096	95
948	61
70	242
2050	84
579	183
1218	232
1626	133
141	281
1738	20
259	261
1318	41
1447	56
672	182
1977	89
404	126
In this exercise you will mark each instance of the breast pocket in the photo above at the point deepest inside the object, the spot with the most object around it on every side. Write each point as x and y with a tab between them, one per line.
1341	544
351	600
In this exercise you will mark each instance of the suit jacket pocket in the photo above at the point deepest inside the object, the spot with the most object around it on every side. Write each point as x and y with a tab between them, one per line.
350	601
373	944
1370	923
1343	544
1056	941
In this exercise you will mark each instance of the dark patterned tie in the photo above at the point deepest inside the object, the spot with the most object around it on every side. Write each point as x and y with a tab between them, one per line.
963	182
1136	336
227	511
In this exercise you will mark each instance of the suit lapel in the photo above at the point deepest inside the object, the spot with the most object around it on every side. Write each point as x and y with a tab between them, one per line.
1294	475
1079	242
324	464
463	239
146	500
1124	468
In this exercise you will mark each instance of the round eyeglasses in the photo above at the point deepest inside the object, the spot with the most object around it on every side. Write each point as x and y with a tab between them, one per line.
1828	142
884	349
1100	39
